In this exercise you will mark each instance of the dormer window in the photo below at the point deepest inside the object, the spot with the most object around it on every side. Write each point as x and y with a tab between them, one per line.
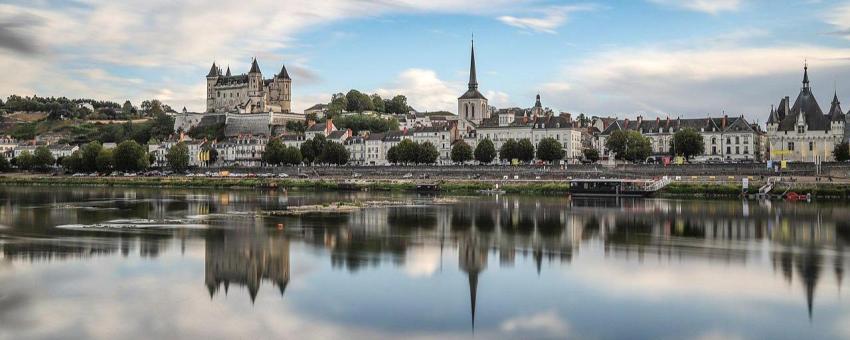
801	129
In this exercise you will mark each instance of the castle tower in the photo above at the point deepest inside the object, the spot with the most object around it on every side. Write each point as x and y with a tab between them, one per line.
472	105
283	90
212	79
255	88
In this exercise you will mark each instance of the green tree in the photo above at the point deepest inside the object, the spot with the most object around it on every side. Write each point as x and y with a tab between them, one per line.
127	109
591	155
337	104
687	143
308	151
160	127
461	152
378	103
841	152
508	151
5	166
485	151
104	161
273	153
629	145
178	157
397	105
392	155
296	126
129	156
427	153
550	150
74	162
156	108
291	156
357	101
42	158
88	155
334	153
525	150
24	160
408	151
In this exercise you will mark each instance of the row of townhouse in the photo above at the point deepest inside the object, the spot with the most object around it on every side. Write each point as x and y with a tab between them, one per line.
518	125
725	138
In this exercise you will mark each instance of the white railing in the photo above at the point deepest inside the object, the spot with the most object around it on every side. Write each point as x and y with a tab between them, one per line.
659	184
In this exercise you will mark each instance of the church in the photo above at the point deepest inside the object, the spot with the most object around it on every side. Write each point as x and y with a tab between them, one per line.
802	132
248	93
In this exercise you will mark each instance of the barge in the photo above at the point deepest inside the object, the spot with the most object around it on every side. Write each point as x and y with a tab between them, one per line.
617	187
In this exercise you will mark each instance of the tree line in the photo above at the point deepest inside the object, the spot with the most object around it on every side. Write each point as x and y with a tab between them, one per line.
59	107
356	101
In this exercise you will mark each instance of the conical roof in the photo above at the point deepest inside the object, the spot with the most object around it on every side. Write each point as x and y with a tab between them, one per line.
283	74
213	71
255	68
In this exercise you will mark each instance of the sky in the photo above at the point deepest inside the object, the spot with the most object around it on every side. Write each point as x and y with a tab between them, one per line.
655	58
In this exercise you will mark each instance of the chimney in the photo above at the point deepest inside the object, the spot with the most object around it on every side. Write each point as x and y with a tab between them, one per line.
668	122
639	120
723	125
626	123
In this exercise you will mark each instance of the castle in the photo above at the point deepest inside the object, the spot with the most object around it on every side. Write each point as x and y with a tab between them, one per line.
248	93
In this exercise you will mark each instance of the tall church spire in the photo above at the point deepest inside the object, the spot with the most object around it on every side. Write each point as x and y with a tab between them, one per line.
473	79
806	75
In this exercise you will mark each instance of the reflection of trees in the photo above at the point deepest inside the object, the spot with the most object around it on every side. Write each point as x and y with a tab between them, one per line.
246	256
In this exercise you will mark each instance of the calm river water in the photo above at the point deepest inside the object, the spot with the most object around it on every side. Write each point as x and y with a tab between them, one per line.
159	264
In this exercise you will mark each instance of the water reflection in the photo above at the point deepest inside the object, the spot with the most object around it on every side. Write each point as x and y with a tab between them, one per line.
634	246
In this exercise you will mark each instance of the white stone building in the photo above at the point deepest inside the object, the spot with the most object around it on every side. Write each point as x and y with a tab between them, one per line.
802	132
531	125
242	151
441	136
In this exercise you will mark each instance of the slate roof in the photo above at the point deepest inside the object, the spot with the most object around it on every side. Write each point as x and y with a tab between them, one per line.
318	127
336	134
806	106
255	68
283	74
733	124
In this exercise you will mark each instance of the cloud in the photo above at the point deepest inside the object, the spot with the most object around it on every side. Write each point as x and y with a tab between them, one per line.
839	18
705	6
548	322
694	81
171	42
552	18
422	261
424	90
14	33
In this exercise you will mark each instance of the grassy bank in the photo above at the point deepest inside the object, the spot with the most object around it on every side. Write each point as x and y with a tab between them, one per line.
693	190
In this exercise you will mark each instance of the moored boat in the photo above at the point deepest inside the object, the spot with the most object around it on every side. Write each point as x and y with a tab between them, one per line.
616	187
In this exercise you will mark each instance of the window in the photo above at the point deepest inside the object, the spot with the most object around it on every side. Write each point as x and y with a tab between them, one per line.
790	146
713	140
728	140
801	129
728	150
737	140
737	150
746	150
713	150
811	146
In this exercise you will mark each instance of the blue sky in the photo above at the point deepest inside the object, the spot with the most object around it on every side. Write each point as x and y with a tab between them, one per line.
625	58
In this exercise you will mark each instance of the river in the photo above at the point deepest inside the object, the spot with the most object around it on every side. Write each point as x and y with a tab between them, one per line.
118	263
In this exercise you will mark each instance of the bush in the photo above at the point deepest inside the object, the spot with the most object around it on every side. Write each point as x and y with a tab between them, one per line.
42	158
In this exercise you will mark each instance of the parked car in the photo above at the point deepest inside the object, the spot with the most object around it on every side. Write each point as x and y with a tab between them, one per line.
282	175
303	175
407	175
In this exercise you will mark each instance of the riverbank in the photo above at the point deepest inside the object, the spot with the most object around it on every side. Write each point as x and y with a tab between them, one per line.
539	187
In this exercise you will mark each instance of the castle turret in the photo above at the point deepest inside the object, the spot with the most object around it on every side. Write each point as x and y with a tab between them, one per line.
255	88
283	90
212	79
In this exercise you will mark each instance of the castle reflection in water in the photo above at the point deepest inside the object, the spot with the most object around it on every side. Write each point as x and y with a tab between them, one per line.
249	251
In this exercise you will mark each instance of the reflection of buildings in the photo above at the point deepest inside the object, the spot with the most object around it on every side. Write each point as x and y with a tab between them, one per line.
246	257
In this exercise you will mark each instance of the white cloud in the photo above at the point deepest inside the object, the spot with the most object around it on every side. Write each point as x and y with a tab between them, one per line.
425	91
173	38
694	81
551	19
422	261
839	18
548	322
705	6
